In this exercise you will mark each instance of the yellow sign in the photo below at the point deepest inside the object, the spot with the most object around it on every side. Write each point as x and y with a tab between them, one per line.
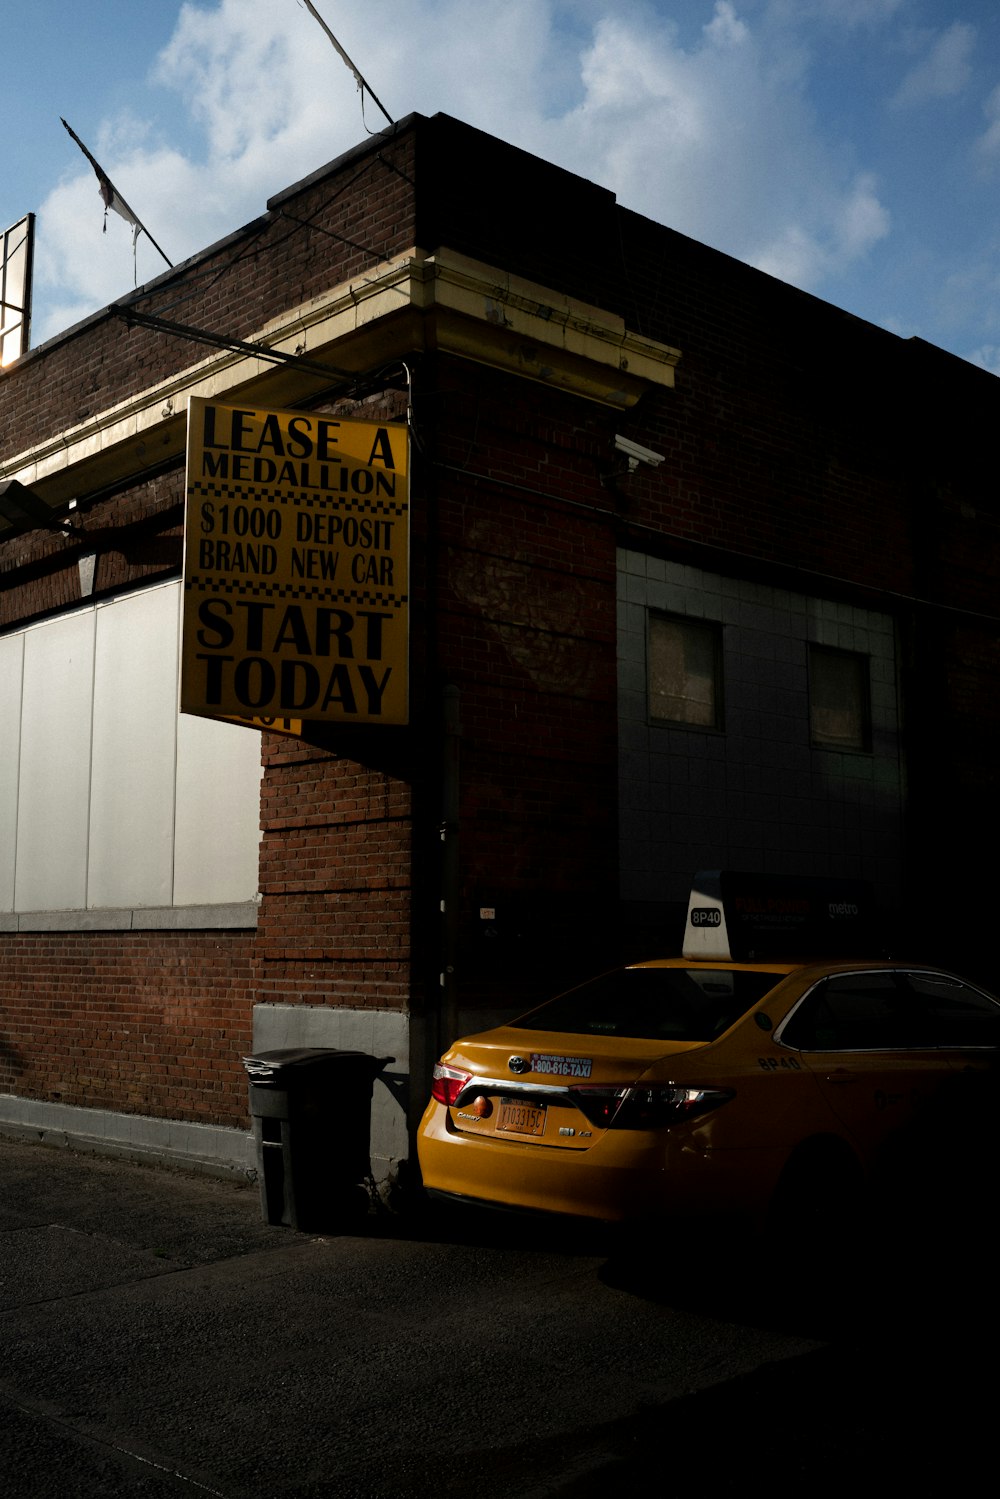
291	726
296	567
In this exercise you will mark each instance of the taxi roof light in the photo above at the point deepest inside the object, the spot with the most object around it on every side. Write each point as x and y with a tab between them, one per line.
745	918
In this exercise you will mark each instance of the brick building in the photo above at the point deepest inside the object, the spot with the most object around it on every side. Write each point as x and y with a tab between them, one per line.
701	576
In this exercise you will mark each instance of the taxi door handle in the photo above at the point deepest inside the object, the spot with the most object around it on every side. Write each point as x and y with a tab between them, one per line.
843	1076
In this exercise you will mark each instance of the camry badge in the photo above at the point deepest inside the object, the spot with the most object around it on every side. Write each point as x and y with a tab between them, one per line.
519	1064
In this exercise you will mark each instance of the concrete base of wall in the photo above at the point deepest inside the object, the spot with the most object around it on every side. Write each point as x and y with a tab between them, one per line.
224	1152
379	1033
169	1142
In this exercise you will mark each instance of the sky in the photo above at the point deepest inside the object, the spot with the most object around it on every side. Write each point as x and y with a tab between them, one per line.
849	147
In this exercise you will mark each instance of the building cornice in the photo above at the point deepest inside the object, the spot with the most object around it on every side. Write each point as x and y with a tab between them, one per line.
443	302
527	329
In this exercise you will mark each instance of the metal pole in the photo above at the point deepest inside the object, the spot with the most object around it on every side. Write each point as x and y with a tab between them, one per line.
449	1024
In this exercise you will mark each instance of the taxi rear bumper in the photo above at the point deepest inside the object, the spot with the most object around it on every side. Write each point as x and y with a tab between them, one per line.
625	1176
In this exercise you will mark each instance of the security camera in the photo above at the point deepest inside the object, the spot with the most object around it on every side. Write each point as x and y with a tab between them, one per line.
636	454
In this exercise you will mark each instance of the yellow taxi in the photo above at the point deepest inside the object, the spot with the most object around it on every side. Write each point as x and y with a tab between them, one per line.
703	1084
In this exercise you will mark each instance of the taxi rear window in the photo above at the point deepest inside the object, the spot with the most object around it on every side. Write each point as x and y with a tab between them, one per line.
654	1004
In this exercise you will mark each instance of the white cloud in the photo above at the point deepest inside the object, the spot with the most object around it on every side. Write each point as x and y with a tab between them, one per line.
853	223
719	142
716	138
988	144
943	72
987	357
969	294
725	29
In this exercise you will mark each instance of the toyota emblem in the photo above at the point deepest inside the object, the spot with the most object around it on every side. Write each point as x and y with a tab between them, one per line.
519	1064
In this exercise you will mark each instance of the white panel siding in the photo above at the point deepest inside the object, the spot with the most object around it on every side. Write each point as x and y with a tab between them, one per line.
11	663
54	784
218	812
135	715
109	799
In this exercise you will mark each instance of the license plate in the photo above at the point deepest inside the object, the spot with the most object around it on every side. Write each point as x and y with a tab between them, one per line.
517	1118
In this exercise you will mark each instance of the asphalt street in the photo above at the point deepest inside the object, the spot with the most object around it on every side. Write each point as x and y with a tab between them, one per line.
160	1340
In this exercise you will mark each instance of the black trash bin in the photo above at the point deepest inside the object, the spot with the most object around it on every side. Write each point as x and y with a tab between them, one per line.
311	1111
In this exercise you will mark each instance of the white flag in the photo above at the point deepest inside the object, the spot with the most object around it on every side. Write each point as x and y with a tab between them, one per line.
113	199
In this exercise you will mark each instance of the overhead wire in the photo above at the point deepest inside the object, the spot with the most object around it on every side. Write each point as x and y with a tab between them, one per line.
202	281
198	281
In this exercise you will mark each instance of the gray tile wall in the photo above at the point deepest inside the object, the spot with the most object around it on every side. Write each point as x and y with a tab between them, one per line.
757	796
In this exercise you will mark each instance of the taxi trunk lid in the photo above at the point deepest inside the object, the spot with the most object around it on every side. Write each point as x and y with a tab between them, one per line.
546	1088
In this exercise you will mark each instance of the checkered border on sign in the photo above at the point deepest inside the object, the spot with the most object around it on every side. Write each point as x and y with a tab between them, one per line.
218	586
329	499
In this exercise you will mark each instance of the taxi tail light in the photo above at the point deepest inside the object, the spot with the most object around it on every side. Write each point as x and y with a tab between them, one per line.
448	1083
646	1108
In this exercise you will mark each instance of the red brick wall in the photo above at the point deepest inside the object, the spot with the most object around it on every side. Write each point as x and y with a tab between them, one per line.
335	880
136	534
524	625
141	1022
325	234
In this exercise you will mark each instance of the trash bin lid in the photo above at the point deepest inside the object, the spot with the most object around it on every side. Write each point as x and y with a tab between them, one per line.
276	1068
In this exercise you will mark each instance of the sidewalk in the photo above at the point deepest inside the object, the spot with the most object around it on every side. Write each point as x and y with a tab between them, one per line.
160	1340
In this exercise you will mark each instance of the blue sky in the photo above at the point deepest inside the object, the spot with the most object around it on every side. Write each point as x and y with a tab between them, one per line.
850	147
